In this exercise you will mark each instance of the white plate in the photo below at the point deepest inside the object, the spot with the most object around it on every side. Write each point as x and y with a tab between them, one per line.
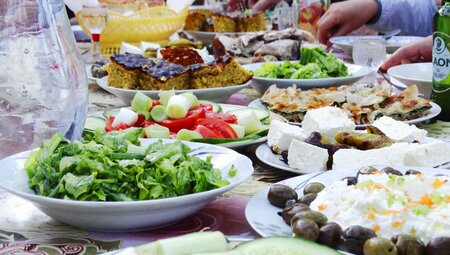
240	144
208	37
416	73
133	215
265	154
263	217
212	94
262	84
434	111
395	42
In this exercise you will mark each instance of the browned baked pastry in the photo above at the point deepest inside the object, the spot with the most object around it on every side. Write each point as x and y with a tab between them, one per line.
164	76
124	70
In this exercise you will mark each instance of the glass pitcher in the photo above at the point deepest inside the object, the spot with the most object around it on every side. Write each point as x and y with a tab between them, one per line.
43	84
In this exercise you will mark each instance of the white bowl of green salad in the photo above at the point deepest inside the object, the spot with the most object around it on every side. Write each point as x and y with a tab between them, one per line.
108	183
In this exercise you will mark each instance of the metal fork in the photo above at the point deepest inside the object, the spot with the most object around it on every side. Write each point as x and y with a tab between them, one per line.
242	5
383	74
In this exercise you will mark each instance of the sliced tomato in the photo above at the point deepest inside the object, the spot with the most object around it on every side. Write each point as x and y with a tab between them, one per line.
220	127
140	121
206	107
148	123
222	116
121	126
108	124
155	103
206	132
187	122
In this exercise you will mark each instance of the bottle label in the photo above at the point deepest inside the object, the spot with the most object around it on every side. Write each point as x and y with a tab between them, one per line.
441	58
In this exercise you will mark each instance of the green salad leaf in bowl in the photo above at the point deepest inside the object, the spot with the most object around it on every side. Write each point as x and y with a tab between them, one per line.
315	63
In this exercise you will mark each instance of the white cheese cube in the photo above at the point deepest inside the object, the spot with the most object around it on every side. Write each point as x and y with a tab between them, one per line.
306	157
388	156
429	155
281	135
400	131
328	121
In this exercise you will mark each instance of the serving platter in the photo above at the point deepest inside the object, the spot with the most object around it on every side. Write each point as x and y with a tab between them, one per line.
129	215
434	111
263	217
392	44
218	95
231	145
262	84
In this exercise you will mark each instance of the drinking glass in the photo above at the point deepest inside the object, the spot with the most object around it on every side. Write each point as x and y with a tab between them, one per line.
95	18
287	16
370	52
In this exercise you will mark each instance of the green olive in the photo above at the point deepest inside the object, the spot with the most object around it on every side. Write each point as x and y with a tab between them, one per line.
379	246
319	218
408	245
313	187
390	170
438	246
290	210
330	235
306	229
280	194
307	199
354	238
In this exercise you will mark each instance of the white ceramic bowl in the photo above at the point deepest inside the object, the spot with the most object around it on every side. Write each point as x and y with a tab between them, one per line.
417	73
133	215
218	95
262	84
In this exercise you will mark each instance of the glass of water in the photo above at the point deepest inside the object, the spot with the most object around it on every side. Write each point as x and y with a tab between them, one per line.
370	52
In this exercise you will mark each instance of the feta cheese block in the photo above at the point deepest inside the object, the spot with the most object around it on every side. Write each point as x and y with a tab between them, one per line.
281	135
328	121
429	155
388	156
399	131
306	157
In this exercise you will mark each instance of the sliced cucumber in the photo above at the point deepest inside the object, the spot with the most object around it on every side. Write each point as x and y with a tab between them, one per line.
157	131
112	113
215	106
239	129
188	135
278	245
248	119
141	103
261	114
94	123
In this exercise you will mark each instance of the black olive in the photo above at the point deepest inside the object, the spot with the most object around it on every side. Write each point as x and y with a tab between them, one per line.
319	218
408	245
351	180
438	246
412	172
280	194
307	199
330	234
390	170
367	170
290	210
354	238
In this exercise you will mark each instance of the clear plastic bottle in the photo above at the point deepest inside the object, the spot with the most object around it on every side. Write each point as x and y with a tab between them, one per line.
43	84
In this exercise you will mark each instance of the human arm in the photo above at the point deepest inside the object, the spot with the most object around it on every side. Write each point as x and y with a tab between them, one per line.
413	17
418	51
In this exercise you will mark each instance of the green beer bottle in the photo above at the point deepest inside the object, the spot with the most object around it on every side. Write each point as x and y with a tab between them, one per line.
441	60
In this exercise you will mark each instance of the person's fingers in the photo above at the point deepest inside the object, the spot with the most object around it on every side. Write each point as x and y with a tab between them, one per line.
325	26
414	52
262	5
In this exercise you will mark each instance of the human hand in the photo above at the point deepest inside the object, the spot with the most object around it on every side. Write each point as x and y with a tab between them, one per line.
344	17
418	51
261	5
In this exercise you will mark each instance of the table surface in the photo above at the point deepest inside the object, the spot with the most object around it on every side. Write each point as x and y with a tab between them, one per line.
26	230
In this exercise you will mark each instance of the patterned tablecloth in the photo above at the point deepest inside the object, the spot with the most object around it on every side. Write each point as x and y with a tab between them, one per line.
26	230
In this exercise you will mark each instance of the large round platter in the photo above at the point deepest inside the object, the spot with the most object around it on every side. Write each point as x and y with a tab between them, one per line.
392	44
212	94
434	111
262	84
263	217
208	37
265	154
132	215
